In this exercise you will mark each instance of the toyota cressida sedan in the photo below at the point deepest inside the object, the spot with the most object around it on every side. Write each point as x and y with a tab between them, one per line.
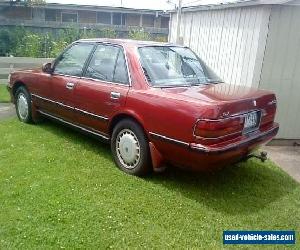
155	103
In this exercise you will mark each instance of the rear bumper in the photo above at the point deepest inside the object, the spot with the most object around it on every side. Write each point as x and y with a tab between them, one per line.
258	138
207	158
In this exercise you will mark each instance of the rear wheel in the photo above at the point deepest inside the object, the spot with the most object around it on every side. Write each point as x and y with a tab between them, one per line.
23	105
130	148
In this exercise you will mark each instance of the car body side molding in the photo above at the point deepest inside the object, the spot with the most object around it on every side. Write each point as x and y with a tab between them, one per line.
168	139
93	132
70	107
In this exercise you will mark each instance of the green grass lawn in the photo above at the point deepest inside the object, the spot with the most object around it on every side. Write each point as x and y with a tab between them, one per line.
60	189
4	95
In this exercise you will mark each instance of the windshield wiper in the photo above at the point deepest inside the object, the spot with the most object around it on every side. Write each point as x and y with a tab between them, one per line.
190	58
214	81
206	82
199	83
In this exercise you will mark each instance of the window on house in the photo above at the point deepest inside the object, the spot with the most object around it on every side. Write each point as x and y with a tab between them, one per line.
148	20
123	18
17	12
165	22
69	17
103	17
119	19
85	16
50	15
133	20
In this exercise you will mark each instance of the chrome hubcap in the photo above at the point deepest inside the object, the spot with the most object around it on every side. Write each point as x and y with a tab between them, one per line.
128	148
22	106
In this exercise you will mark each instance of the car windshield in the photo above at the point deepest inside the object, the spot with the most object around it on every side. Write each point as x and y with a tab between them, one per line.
175	66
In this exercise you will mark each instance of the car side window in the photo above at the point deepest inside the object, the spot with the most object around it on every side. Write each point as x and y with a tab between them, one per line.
121	75
108	64
72	61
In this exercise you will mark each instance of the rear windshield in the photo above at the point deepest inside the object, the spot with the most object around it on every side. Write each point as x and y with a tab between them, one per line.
171	65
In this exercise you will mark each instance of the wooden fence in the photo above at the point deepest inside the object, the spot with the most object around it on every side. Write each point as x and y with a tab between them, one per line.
9	64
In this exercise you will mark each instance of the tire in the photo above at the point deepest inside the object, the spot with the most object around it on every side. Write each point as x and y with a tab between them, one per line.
23	105
130	148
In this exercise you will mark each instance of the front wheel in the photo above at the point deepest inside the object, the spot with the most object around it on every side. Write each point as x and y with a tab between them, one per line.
23	105
130	148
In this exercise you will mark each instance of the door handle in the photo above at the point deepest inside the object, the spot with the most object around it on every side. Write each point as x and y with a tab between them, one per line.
70	85
115	95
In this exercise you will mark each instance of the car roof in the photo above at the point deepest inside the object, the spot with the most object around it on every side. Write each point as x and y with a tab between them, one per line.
125	42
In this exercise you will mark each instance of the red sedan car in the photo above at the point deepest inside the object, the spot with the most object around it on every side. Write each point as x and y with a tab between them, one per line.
154	102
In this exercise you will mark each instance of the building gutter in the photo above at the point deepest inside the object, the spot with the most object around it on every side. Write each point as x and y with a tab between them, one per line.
239	4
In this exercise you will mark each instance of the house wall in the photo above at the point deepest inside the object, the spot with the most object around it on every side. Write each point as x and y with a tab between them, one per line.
164	22
133	19
281	68
231	41
38	14
49	18
18	13
87	16
148	20
104	17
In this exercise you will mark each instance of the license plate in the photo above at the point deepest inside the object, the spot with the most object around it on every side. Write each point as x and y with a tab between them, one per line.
251	120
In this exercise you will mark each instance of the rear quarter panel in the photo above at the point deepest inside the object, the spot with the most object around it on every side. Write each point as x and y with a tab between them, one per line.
164	115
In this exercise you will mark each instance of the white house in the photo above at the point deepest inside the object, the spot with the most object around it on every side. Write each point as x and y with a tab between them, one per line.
253	43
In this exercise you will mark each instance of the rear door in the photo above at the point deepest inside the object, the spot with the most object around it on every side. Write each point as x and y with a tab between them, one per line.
103	89
68	69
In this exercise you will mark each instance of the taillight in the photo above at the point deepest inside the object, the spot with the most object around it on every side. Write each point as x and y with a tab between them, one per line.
268	115
218	128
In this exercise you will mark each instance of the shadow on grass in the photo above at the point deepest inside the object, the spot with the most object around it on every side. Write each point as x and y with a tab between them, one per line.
90	143
244	188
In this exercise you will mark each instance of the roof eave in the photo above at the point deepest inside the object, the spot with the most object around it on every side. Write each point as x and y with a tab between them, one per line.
91	8
238	4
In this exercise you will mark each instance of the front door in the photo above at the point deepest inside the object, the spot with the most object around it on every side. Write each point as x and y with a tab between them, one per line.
103	89
66	74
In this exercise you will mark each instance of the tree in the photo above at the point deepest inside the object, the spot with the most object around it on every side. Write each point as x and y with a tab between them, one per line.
9	39
5	40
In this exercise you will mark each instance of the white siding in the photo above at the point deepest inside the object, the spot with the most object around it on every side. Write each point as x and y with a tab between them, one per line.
281	68
256	46
172	27
231	41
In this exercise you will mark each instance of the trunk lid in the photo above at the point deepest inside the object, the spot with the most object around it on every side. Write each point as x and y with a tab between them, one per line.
227	99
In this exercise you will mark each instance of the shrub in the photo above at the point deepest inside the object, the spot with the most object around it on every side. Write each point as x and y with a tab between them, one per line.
139	35
162	39
108	33
31	46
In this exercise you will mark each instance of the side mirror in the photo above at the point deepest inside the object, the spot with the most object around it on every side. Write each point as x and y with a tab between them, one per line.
47	68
